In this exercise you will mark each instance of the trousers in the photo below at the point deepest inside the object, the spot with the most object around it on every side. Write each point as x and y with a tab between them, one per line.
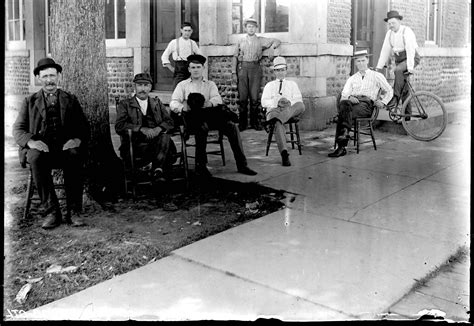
250	75
282	115
181	72
347	112
71	161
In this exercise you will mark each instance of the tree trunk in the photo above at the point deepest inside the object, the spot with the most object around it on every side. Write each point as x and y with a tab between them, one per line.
78	44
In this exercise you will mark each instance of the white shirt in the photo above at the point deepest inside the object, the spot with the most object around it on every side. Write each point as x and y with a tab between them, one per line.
368	86
395	42
143	105
186	48
206	87
271	94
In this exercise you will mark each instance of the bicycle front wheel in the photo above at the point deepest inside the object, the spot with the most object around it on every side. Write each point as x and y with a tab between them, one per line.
427	116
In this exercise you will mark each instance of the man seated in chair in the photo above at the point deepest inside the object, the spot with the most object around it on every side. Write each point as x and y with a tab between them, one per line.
206	116
52	131
282	100
150	123
358	98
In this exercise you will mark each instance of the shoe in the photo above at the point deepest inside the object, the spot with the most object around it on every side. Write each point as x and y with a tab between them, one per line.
170	207
392	103
202	171
246	170
51	221
407	118
340	151
285	158
74	219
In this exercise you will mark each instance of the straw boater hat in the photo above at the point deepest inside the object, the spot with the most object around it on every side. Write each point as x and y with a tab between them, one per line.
46	63
361	53
250	21
393	14
279	62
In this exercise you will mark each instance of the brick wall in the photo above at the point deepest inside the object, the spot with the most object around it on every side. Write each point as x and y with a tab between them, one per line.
414	13
455	24
339	21
119	77
447	77
17	75
335	84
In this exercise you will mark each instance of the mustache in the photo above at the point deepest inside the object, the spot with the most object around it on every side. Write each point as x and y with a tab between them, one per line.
51	84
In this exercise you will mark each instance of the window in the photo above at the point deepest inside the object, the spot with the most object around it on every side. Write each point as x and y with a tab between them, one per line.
272	15
115	19
432	21
15	20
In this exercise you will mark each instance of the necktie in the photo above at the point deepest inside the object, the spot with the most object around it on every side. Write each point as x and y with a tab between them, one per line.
279	89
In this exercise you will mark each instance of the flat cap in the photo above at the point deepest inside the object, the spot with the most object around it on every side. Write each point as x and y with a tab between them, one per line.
196	58
143	77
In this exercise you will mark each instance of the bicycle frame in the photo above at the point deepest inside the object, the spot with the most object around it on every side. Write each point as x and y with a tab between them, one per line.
395	112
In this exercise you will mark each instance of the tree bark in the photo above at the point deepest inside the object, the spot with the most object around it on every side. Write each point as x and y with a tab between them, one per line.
78	44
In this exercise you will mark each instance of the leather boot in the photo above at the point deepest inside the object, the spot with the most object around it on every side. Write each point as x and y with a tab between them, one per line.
340	151
285	158
52	220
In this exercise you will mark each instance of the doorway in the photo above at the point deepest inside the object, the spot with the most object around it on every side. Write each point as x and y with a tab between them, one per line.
368	27
167	17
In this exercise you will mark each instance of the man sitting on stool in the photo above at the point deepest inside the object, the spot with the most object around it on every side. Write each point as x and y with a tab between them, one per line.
358	97
282	100
52	131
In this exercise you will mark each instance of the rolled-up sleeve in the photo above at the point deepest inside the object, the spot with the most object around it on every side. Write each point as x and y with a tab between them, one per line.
214	96
177	98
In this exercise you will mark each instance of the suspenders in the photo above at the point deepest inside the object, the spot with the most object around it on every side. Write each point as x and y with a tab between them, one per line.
177	49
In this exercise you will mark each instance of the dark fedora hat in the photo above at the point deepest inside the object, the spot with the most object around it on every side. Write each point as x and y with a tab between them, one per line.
46	63
196	58
143	77
393	14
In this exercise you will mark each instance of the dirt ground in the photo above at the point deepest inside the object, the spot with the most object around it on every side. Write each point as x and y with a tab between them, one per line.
130	234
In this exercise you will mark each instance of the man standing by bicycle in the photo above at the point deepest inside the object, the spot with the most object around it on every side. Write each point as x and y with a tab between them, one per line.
359	95
401	41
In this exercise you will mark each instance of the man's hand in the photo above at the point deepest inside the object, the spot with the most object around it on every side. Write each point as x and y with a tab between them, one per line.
72	143
170	67
379	104
207	104
271	52
186	107
148	132
284	102
354	100
38	145
156	131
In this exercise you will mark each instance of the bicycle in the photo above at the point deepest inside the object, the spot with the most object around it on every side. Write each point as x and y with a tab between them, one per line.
422	114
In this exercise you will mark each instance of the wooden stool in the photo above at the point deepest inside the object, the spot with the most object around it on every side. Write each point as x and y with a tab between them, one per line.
292	123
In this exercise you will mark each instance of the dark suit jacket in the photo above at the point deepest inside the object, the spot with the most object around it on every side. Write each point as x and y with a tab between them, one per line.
31	121
128	116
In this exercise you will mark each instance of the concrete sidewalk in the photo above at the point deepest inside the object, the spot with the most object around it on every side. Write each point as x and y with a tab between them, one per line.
356	234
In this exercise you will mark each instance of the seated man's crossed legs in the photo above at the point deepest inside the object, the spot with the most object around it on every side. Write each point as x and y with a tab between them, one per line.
348	111
277	117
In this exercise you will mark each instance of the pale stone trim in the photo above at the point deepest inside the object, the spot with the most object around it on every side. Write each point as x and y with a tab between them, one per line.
444	52
286	50
119	52
17	53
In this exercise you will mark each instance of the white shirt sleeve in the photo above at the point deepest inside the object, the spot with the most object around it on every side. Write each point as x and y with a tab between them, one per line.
410	47
295	94
267	101
195	48
387	93
165	57
347	90
177	98
214	96
384	52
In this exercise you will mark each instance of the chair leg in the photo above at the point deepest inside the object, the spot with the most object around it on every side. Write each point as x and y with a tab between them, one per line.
184	157
269	140
221	144
372	134
358	135
292	136
29	195
298	139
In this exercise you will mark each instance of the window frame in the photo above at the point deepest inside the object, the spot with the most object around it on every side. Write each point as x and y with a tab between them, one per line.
436	25
20	44
117	42
262	17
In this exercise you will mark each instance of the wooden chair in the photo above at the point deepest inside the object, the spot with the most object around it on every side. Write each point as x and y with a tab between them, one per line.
30	192
294	133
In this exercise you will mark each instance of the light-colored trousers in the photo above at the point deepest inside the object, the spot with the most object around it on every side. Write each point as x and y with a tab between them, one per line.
283	114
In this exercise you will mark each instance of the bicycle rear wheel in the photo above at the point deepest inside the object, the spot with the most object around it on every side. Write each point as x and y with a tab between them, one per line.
428	116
